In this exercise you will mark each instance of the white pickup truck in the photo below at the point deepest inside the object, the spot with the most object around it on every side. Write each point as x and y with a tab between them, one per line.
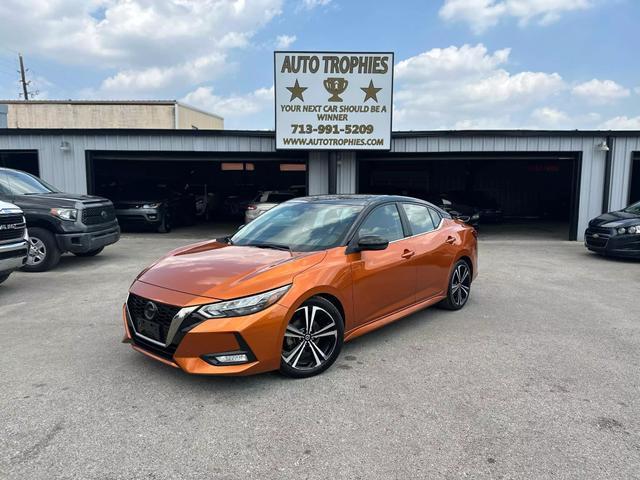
14	240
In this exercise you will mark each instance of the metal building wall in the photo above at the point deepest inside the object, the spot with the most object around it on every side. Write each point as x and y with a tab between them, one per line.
621	161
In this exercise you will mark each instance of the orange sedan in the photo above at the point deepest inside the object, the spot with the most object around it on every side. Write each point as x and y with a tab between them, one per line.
288	289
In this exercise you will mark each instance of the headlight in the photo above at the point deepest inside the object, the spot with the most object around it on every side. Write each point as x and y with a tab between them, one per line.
243	306
151	205
622	230
634	229
70	214
475	216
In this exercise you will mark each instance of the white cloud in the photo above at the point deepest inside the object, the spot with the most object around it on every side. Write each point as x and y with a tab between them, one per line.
600	91
621	123
311	4
549	117
463	86
482	14
150	44
251	110
285	41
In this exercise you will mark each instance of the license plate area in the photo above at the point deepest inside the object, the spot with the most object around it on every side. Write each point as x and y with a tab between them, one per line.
149	329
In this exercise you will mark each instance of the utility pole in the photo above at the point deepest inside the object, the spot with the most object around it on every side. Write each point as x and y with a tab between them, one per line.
23	79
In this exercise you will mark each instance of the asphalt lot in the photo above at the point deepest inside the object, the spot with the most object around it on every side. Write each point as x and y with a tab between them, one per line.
538	377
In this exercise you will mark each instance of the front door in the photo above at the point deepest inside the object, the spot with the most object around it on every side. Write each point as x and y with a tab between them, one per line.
383	280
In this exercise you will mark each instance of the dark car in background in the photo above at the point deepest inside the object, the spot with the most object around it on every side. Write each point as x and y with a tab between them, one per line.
466	213
58	222
485	205
156	207
615	234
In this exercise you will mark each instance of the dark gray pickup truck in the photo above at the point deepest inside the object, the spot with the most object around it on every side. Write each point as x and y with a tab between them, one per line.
58	222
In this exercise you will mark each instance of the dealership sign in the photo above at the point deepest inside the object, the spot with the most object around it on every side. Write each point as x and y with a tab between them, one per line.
333	101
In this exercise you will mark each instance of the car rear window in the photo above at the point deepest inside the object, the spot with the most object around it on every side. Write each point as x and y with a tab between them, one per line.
419	217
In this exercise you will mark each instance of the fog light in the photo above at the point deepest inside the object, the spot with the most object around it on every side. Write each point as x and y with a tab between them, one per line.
235	358
231	358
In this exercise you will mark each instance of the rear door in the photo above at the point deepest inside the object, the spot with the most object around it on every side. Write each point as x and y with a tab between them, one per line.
383	280
434	249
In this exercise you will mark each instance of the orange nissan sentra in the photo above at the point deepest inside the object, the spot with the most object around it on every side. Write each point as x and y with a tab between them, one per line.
289	288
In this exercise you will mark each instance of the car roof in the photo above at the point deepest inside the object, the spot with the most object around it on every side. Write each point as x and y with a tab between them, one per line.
357	199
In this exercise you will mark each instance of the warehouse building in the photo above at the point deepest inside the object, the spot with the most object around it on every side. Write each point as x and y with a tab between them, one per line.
565	177
151	114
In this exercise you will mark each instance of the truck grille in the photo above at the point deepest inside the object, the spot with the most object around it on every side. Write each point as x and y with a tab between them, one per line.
597	236
98	215
12	227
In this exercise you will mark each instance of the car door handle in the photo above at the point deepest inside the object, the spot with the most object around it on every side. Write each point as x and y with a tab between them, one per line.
450	240
408	254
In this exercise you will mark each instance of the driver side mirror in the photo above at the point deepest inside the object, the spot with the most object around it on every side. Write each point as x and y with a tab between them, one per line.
372	242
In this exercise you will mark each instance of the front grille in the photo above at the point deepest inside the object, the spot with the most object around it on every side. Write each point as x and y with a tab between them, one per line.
13	254
162	318
17	229
597	236
98	215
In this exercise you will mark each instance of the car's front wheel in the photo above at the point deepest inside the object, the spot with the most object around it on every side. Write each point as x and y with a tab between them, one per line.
459	287
312	340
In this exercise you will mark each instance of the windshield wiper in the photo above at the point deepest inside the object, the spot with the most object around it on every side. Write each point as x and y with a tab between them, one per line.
226	240
275	246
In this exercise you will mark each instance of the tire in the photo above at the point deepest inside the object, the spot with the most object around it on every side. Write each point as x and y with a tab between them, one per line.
90	253
459	288
4	277
165	226
303	354
44	253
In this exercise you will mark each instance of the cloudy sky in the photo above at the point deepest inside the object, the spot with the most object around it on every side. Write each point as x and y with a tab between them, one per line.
460	64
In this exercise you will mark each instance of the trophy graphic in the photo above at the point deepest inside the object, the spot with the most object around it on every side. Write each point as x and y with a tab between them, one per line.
335	86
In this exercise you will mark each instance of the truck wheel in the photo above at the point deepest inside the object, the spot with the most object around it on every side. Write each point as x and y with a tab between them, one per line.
44	253
4	277
90	253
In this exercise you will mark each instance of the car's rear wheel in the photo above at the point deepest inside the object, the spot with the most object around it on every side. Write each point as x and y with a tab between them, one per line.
459	287
312	340
44	253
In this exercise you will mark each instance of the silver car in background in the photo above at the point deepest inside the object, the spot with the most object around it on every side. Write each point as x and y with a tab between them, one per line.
265	201
14	241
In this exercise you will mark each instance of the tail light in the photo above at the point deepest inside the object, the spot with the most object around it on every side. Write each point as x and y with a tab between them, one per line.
251	207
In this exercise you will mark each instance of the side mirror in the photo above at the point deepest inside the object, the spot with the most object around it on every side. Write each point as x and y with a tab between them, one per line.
372	242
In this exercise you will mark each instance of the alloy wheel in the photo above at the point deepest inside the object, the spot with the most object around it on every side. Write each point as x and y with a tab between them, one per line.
37	251
460	284
310	338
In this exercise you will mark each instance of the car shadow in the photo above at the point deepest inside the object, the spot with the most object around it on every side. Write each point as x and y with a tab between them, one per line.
605	258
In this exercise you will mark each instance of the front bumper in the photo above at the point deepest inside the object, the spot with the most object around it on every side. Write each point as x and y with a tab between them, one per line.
13	256
83	242
140	216
607	243
260	335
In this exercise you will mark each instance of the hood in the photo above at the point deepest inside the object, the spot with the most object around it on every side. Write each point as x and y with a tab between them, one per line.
220	271
615	219
56	200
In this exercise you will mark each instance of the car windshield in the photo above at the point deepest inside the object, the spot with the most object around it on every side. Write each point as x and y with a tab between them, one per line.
635	208
20	183
300	226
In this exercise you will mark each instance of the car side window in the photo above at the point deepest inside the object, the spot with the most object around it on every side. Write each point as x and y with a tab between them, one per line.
435	216
4	185
419	217
384	222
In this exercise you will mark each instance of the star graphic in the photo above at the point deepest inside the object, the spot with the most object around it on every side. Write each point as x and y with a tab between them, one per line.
370	92
296	91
